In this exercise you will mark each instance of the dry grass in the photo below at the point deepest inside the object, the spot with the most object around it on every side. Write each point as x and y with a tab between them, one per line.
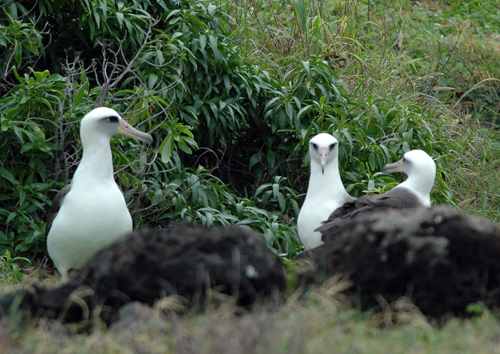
325	321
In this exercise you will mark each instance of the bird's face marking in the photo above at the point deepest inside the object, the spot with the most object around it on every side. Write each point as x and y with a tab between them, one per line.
322	149
113	119
105	121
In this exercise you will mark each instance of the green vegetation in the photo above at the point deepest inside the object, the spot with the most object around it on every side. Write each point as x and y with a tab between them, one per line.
232	91
9	268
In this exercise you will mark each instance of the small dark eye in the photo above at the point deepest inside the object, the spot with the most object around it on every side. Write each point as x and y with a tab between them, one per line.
404	159
332	146
113	119
314	146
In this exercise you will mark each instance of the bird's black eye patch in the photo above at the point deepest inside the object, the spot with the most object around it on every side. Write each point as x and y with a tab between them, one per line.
404	159
332	146
113	119
314	146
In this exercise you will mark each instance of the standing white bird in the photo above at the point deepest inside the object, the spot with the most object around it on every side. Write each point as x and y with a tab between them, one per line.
90	213
325	191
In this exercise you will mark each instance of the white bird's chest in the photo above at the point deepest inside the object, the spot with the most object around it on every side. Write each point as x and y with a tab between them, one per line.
100	204
94	213
312	214
325	193
90	218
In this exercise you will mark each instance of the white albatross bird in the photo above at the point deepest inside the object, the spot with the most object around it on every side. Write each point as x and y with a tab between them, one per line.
325	191
412	193
421	171
90	213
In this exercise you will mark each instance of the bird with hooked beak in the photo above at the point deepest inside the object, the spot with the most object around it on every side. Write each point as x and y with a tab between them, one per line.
421	171
325	191
412	193
90	213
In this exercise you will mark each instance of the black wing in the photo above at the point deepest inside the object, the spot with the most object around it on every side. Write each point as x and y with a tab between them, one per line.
397	198
54	209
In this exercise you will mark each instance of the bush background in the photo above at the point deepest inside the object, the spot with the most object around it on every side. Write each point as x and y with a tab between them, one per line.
232	92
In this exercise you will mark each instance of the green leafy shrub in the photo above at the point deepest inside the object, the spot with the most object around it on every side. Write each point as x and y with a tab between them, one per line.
231	131
24	155
20	41
9	268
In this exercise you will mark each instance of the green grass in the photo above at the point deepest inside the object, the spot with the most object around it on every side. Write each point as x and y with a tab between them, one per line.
442	56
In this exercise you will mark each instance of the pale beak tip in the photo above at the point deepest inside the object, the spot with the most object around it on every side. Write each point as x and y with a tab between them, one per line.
148	139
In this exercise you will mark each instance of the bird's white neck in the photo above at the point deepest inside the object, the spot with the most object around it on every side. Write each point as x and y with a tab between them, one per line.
421	186
326	184
97	160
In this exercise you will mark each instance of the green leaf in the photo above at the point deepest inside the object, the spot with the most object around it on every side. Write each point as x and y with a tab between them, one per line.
31	47
156	196
212	9
152	80
167	148
239	210
81	92
276	188
386	152
18	54
271	158
22	197
289	110
213	43
159	57
307	64
260	189
3	238
26	147
119	17
203	41
185	148
253	160
11	217
268	237
7	175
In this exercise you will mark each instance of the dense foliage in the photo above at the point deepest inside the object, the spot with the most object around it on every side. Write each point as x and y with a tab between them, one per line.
231	129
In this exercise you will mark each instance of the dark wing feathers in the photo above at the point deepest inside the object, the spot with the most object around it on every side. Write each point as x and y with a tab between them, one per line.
54	209
397	198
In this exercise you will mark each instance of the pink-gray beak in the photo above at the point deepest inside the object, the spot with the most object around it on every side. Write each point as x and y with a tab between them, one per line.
323	153
394	167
